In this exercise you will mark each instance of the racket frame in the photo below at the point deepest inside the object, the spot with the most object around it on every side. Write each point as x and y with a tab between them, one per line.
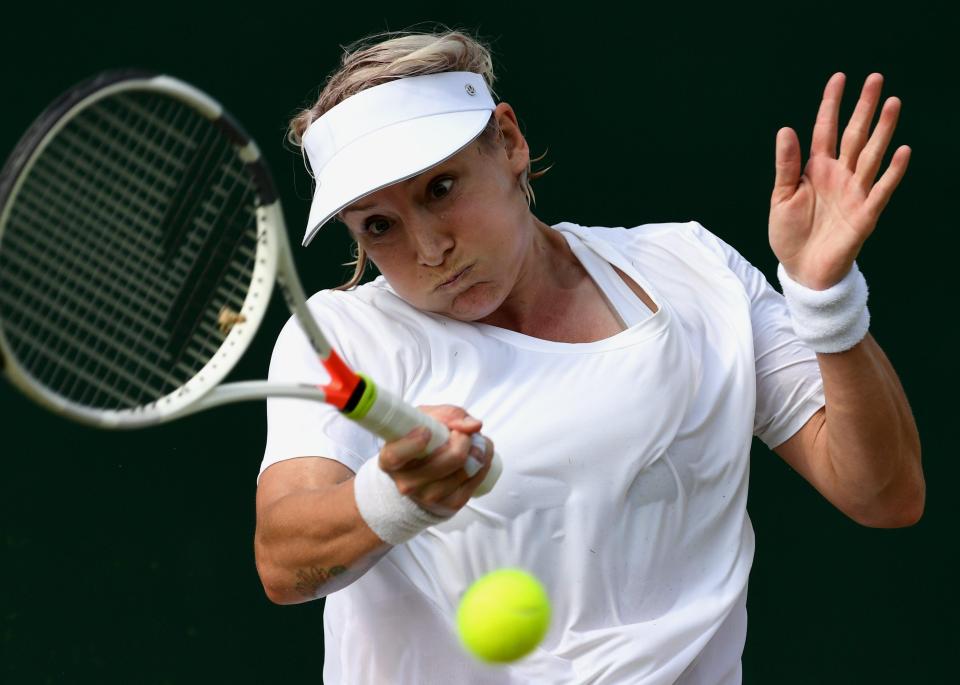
186	399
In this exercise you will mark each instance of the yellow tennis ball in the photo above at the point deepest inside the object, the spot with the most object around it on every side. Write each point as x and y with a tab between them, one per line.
503	615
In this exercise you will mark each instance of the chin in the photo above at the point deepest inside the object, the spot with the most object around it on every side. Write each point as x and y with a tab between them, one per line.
474	304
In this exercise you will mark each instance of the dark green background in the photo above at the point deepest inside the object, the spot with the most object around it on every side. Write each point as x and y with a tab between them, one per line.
127	557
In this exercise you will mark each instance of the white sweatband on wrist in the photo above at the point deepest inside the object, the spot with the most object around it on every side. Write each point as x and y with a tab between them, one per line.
392	516
831	320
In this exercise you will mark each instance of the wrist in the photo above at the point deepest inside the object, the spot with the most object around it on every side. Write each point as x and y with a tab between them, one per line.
395	518
831	320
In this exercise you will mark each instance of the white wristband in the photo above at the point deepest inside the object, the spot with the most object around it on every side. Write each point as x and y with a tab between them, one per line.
392	516
831	320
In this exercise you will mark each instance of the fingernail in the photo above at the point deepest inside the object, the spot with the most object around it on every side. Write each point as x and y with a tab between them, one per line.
472	466
478	451
478	445
469	420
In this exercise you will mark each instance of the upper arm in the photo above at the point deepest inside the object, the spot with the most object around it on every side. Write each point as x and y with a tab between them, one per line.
804	452
292	475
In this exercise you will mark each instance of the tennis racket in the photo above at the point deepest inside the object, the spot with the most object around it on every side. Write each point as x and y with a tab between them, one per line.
140	239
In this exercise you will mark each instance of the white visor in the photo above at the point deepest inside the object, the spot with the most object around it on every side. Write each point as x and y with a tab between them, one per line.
389	133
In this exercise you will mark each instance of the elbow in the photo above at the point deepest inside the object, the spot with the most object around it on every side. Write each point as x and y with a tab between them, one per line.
308	584
278	589
274	593
902	516
294	582
273	577
901	508
280	595
274	585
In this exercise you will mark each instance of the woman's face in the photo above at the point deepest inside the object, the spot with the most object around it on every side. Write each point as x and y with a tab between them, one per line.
454	239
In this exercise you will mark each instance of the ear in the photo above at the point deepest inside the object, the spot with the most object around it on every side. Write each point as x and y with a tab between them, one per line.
514	144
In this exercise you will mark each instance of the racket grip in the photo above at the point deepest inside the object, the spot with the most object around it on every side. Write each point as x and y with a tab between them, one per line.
390	417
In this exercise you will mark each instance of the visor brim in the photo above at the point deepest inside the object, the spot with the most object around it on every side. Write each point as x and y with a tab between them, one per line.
391	155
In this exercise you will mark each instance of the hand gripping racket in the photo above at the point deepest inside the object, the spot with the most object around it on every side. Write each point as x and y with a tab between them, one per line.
140	239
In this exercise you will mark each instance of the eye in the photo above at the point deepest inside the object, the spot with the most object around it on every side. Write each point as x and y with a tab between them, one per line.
441	188
376	226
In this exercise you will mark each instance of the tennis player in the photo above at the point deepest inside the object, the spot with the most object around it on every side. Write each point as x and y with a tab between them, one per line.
621	372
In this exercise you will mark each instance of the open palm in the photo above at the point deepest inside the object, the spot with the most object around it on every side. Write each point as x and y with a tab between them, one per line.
820	218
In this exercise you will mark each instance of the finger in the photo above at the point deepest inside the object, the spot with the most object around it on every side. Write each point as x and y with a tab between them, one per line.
453	417
442	462
787	164
883	189
459	497
468	424
400	453
452	493
439	496
825	129
477	456
858	129
872	156
451	457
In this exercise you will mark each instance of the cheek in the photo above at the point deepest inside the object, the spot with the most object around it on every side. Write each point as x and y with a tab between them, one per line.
392	266
487	223
411	283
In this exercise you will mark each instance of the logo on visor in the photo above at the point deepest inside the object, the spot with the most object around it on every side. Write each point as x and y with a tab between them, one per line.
470	89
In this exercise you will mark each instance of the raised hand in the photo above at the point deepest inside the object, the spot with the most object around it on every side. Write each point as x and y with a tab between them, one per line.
820	218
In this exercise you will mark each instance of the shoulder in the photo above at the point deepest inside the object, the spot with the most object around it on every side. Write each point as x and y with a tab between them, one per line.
672	237
372	308
639	233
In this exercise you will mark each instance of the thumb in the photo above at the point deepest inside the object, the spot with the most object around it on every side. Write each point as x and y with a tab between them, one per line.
787	165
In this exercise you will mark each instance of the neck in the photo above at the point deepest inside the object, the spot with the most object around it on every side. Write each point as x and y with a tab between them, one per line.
549	282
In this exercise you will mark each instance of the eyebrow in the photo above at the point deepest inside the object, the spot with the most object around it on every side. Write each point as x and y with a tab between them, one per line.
367	205
357	208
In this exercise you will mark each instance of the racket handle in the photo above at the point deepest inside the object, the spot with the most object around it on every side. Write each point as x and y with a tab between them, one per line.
390	417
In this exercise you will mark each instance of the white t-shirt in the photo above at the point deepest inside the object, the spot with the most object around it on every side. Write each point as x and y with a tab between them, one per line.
625	467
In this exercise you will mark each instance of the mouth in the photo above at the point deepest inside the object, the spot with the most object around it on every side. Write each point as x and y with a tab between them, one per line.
455	278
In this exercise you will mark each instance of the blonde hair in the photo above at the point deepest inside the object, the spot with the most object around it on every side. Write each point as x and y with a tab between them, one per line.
388	56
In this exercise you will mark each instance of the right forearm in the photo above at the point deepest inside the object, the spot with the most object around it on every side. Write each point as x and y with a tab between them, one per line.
313	542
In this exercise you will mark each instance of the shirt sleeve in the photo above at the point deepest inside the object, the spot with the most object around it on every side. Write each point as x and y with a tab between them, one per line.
305	428
789	385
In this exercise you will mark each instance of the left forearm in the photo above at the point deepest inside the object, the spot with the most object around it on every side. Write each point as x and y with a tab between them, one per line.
870	435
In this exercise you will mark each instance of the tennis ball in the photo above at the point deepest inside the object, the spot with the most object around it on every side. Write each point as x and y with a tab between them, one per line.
503	615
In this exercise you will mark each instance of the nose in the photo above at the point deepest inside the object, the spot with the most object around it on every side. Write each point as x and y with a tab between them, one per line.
431	239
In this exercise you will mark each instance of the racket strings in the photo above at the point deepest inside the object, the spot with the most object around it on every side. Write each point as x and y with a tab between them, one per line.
216	253
134	227
86	241
93	150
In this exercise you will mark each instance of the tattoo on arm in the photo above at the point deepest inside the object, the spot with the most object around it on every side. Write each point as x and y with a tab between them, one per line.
309	580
